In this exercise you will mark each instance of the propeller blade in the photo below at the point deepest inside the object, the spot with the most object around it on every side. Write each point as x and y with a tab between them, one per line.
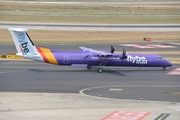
112	49
124	54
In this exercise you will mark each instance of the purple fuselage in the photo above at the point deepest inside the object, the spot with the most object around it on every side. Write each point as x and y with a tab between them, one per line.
88	58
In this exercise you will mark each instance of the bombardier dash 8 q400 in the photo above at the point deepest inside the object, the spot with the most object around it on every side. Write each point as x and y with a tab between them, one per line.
86	57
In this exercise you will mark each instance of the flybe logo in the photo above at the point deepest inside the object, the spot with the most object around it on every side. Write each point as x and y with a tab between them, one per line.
23	44
137	59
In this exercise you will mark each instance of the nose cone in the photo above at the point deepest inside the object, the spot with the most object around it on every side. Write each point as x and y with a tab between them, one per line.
168	64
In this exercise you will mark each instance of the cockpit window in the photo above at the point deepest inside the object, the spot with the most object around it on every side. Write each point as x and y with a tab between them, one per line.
160	58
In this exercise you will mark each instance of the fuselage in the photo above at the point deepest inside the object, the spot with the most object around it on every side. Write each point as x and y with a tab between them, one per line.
88	58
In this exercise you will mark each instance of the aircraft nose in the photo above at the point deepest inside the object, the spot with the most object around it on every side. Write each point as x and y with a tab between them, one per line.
168	64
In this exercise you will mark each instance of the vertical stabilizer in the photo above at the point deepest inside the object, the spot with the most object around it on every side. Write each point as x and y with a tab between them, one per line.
22	41
25	47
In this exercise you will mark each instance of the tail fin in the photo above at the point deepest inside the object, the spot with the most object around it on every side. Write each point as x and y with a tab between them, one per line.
22	41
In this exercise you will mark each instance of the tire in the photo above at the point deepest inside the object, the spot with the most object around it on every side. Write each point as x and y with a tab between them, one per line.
163	69
100	70
89	67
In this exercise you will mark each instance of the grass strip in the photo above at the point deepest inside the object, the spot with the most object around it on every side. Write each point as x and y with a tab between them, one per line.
96	37
94	14
174	60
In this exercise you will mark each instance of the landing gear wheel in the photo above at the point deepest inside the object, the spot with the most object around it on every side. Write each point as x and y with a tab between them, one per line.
100	70
164	68
89	67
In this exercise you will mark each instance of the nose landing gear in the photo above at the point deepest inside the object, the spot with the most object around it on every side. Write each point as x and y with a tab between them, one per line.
164	68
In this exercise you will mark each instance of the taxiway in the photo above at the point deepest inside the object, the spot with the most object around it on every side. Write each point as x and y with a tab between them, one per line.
35	90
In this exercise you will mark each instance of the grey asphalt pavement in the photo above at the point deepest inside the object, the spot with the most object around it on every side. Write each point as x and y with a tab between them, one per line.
10	48
31	76
101	27
34	90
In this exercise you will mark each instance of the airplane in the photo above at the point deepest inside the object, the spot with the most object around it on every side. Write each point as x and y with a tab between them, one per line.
85	57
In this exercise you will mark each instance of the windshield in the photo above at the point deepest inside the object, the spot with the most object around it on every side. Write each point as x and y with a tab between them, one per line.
160	58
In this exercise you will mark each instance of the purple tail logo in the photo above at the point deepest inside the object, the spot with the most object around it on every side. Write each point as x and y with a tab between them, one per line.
23	44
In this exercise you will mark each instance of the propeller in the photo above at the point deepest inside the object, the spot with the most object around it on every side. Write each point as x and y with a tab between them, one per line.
124	54
112	49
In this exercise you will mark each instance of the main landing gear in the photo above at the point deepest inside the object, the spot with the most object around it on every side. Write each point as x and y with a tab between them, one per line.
100	70
89	67
164	68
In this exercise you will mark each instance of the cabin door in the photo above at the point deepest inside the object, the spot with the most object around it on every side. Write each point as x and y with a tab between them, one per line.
66	59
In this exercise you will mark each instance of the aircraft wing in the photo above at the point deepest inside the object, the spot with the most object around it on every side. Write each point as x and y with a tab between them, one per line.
101	53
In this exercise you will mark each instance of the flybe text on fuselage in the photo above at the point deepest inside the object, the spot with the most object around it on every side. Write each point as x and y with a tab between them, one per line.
137	59
23	43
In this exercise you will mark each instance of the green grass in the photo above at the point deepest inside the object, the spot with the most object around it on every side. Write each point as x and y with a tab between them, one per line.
95	14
